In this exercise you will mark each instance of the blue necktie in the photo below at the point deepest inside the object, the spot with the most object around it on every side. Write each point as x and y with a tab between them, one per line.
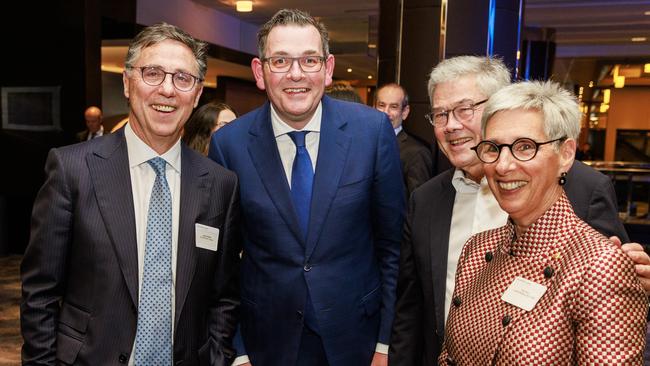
302	178
153	340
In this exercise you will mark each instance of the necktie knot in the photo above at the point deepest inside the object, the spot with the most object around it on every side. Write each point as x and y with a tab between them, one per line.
298	137
158	164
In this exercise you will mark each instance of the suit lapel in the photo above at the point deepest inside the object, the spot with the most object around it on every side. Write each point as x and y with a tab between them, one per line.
439	230
111	178
332	154
194	193
264	153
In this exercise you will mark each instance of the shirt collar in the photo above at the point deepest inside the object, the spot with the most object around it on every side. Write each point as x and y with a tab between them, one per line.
462	184
281	128
398	129
139	152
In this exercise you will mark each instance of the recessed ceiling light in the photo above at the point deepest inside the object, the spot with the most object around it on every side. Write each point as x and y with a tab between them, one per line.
647	12
372	45
244	6
639	39
369	76
349	69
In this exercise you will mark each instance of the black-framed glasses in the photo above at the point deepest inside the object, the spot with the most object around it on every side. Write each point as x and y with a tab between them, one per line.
154	76
463	113
283	63
523	149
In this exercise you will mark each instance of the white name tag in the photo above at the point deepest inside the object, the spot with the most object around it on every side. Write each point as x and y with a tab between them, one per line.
207	237
523	293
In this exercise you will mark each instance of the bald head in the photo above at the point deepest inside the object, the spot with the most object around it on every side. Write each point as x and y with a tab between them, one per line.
93	117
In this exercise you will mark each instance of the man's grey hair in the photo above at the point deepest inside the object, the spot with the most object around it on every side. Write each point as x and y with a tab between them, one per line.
558	106
491	73
159	32
405	100
291	17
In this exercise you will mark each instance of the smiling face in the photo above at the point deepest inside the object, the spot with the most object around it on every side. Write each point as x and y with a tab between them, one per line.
295	94
457	138
526	189
389	101
157	113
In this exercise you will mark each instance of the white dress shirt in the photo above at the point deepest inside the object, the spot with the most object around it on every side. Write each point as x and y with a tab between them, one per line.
142	181
92	135
475	210
286	146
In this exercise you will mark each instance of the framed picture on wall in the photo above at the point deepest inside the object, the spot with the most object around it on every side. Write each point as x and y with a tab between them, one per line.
31	108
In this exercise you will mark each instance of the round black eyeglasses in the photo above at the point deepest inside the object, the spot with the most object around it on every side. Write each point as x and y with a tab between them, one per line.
523	149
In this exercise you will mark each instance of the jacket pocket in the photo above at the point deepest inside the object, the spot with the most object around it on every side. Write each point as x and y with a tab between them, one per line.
71	332
371	302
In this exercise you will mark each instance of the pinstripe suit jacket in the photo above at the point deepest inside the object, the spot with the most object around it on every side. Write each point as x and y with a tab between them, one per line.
80	270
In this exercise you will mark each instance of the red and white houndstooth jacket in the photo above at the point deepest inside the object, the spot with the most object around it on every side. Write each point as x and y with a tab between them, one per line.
593	311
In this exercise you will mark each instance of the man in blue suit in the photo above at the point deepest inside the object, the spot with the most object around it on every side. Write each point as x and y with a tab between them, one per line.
322	206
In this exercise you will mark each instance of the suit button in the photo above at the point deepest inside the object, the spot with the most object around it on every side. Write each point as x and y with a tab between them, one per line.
307	267
123	358
299	314
506	320
450	361
489	256
549	272
457	301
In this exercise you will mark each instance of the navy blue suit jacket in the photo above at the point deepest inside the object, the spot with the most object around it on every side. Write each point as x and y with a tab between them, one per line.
349	261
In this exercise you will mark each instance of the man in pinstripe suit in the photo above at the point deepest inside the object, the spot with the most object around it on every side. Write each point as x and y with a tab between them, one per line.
83	270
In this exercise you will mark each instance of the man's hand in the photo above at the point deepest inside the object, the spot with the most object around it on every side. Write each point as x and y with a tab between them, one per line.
379	359
641	261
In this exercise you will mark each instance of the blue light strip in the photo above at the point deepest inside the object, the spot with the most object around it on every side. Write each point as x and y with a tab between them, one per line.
490	32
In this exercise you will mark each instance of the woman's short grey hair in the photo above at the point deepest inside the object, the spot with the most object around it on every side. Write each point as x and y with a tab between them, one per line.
558	106
160	32
491	73
291	17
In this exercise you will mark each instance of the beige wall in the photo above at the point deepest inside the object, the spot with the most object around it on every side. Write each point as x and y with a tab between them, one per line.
629	110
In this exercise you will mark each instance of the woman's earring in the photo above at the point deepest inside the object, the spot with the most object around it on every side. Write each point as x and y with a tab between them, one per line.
562	179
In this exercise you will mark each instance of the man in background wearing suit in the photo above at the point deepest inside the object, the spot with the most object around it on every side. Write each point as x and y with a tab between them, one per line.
134	249
416	159
448	209
94	127
322	207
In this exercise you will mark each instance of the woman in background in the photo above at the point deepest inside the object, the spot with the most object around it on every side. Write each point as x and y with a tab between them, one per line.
204	122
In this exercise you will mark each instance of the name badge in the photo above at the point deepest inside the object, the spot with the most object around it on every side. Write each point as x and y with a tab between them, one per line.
207	237
523	293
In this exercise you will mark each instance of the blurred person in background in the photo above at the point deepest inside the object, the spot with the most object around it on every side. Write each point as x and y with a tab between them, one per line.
94	127
206	120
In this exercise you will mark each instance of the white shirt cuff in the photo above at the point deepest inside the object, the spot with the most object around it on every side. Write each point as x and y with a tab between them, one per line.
240	360
381	348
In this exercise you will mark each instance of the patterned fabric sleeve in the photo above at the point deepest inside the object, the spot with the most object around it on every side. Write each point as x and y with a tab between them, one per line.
607	307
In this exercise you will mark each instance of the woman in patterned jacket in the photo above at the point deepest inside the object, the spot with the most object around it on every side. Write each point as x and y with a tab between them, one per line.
546	288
